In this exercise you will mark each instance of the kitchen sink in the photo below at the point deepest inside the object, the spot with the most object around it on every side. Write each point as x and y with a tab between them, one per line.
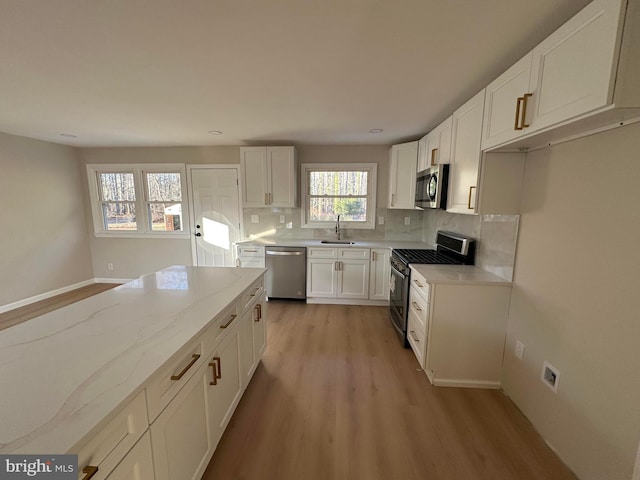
337	242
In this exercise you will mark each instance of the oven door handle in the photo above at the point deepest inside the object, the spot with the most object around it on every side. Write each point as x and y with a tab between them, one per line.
398	272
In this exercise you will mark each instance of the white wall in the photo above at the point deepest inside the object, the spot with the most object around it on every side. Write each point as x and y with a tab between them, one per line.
44	244
575	301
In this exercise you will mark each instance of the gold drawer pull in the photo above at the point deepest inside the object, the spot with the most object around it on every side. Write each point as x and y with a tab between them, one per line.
524	109
418	283
194	359
233	317
519	102
415	305
217	370
415	337
258	308
89	472
254	292
433	156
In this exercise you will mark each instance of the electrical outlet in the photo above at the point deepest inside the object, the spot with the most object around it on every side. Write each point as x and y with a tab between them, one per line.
550	376
380	220
110	267
407	220
282	220
519	350
255	219
289	225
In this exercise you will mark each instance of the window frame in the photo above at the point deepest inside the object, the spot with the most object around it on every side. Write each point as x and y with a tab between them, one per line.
143	219
372	182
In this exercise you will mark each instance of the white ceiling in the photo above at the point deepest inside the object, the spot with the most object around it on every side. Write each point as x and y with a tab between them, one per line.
165	72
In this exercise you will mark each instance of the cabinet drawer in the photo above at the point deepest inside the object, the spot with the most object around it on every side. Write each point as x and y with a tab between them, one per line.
417	338
250	251
250	262
172	377
321	252
105	449
138	464
360	253
221	324
419	307
420	286
251	295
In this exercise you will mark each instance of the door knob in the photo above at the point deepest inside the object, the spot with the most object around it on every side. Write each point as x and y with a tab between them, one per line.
197	226
198	234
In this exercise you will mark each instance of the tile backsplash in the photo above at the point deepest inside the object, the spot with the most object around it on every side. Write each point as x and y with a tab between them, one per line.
497	235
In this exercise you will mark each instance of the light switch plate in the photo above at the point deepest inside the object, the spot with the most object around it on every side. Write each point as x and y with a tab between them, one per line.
255	219
380	220
407	220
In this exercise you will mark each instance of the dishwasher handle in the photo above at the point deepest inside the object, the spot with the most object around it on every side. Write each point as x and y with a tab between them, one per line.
269	252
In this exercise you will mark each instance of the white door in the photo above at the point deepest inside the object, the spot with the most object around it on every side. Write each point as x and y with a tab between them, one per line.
216	212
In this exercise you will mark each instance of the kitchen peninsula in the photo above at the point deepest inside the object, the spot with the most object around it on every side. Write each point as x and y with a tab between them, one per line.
146	361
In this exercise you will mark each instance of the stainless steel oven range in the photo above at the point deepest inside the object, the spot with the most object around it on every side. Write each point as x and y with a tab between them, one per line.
451	249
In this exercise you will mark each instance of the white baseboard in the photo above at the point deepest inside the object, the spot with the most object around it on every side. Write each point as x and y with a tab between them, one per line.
445	382
112	280
44	296
347	301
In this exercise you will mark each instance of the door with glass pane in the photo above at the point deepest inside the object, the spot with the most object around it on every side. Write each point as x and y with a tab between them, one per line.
216	213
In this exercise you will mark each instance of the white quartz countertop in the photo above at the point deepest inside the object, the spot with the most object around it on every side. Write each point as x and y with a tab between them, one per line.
458	274
64	372
316	242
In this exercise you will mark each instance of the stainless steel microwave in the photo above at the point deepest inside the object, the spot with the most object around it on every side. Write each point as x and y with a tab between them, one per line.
431	187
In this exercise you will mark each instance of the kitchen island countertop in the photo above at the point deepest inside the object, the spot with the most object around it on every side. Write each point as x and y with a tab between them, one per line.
458	274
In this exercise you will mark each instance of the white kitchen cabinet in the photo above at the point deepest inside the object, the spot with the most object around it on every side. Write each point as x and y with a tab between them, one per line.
137	464
182	436
587	66
260	328
402	176
253	336
225	382
466	136
379	274
250	256
269	176
435	147
458	343
341	273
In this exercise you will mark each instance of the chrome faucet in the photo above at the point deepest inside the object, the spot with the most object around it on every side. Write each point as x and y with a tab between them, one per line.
338	227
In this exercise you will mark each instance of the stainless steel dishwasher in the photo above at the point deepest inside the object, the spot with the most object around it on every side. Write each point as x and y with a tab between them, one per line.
286	272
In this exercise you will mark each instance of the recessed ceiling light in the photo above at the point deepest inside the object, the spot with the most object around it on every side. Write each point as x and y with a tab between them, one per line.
215	132
376	130
68	135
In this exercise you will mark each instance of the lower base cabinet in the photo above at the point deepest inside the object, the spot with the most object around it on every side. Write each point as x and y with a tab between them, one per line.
138	464
182	435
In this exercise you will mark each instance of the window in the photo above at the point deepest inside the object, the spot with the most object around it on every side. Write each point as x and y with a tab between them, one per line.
348	190
138	200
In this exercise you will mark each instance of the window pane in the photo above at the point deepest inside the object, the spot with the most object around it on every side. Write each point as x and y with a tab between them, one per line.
164	187
117	187
328	209
165	217
338	183
119	216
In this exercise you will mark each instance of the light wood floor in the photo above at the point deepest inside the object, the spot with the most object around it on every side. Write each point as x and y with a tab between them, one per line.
22	314
336	397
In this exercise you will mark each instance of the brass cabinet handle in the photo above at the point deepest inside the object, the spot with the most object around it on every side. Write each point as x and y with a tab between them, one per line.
373	256
416	306
433	156
415	337
194	359
231	319
214	377
469	202
524	110
217	370
418	283
89	472
393	199
519	102
254	292
258	308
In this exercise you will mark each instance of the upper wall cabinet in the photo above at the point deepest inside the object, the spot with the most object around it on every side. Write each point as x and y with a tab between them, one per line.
402	176
435	147
466	134
584	67
269	176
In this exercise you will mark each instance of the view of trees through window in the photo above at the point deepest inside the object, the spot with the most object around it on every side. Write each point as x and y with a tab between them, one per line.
333	193
163	196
